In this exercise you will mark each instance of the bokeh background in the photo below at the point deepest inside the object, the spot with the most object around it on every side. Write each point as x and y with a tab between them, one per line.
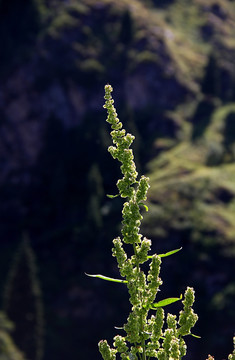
171	63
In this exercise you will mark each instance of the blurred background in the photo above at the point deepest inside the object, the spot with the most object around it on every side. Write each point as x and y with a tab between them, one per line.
171	64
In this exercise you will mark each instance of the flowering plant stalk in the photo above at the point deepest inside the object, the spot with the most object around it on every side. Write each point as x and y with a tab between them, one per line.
148	332
146	335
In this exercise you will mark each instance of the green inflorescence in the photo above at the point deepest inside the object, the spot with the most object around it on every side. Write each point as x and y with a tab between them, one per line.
149	333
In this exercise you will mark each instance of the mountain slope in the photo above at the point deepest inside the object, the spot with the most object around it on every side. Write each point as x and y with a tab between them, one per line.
171	64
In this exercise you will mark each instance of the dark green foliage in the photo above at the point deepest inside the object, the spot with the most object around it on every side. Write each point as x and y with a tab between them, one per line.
62	184
23	302
215	154
211	83
229	129
202	117
126	35
229	136
218	80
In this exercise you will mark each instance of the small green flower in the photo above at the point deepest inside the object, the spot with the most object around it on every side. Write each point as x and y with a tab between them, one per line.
142	250
106	352
142	189
187	318
175	349
232	356
182	347
132	328
120	344
119	252
158	325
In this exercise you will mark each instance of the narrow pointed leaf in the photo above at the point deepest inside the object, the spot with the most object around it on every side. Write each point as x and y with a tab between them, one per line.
112	196
167	254
165	302
107	278
170	252
196	336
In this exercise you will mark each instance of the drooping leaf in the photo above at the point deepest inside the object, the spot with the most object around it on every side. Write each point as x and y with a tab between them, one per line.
196	336
167	254
165	302
99	276
170	252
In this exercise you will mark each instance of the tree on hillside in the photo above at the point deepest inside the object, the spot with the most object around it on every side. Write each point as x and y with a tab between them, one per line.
8	350
127	31
210	84
23	303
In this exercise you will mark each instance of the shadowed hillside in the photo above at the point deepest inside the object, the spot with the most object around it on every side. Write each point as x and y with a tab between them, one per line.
171	64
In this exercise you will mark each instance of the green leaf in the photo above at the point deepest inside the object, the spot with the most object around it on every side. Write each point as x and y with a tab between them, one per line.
166	254
196	336
165	302
107	278
170	252
145	206
112	196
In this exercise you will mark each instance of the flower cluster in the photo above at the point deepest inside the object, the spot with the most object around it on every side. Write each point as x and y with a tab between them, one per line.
148	333
121	151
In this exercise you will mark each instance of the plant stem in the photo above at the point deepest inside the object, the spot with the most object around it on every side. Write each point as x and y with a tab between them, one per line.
141	319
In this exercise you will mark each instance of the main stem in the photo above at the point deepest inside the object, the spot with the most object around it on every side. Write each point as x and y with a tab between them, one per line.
141	297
